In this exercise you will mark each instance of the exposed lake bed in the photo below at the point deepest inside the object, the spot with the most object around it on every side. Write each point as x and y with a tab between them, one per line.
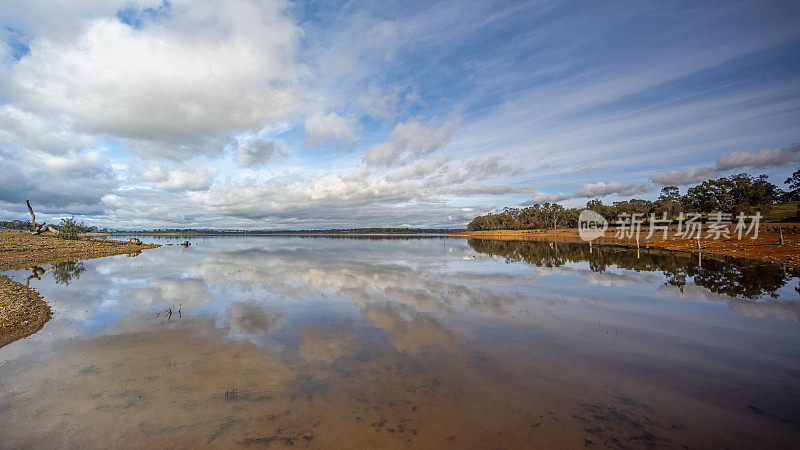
422	342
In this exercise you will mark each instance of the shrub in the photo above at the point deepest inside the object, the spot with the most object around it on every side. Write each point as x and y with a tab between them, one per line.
69	228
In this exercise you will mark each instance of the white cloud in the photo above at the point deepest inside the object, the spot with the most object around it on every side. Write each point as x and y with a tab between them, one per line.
369	193
186	176
206	68
330	127
28	131
412	139
196	179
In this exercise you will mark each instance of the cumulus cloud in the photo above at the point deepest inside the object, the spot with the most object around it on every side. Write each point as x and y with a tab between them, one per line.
329	127
200	71
410	139
257	152
365	186
766	157
189	176
263	198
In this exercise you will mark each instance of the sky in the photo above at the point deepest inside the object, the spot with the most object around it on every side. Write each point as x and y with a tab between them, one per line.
269	114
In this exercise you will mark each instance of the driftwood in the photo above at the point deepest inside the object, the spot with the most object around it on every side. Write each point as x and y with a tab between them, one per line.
40	227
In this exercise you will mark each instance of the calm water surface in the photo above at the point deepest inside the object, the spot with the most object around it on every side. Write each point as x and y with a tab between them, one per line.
424	342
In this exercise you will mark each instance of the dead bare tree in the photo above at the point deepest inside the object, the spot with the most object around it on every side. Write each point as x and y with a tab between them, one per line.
41	227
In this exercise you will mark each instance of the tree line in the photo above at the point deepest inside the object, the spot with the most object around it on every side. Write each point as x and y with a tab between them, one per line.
735	194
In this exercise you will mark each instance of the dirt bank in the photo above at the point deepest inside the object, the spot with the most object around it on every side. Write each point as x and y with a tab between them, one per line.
21	250
22	311
766	246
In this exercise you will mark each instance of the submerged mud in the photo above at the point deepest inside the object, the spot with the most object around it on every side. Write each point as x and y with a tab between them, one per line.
407	343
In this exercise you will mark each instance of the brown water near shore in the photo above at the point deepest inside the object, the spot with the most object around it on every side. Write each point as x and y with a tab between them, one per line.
398	343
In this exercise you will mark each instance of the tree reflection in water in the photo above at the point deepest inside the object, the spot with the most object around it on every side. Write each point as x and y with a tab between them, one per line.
734	277
66	271
62	272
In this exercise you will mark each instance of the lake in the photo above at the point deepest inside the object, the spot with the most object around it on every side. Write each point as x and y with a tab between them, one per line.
425	342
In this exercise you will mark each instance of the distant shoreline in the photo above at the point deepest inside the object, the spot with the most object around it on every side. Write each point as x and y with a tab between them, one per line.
766	247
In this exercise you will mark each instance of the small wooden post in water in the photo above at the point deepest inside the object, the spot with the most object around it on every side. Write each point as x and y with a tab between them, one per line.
637	245
780	234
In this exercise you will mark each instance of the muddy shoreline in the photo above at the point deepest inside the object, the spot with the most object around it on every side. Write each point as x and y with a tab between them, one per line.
23	311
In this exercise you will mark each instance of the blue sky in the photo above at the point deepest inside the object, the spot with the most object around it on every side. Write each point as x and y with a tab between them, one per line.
272	114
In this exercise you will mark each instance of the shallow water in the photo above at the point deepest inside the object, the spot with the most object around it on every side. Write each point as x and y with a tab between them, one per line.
407	342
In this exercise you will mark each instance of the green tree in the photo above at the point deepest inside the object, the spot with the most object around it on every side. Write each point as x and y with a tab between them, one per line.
668	202
69	228
794	186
